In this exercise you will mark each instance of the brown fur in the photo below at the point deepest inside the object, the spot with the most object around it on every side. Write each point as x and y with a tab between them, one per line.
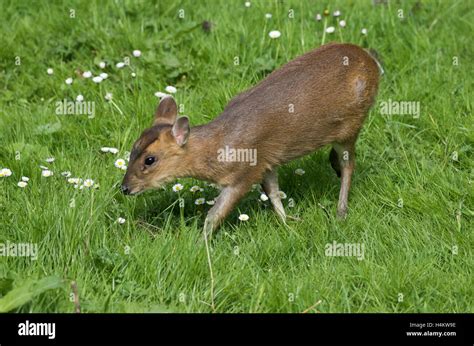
330	102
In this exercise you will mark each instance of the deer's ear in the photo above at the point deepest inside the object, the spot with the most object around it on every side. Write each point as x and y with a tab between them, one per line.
166	112
180	130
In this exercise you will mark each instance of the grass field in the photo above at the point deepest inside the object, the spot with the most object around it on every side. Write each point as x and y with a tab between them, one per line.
411	203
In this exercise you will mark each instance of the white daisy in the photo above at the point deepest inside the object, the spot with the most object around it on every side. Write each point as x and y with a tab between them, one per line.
113	150
120	163
199	201
43	167
102	64
50	159
248	4
47	173
160	94
330	29
282	194
69	81
134	74
79	98
195	188
104	75
97	79
299	171
108	96
22	184
170	89
25	179
177	187
342	23
243	217
274	34
211	202
88	182
66	174
137	53
121	220
120	64
50	71
268	15
87	74
263	197
74	181
319	17
5	172
363	31
336	13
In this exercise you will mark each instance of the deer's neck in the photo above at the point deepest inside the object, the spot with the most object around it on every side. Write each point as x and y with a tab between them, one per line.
200	157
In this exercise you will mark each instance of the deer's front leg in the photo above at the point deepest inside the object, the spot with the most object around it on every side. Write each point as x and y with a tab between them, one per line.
226	201
271	188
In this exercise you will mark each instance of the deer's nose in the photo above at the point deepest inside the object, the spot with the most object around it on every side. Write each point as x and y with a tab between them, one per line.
124	189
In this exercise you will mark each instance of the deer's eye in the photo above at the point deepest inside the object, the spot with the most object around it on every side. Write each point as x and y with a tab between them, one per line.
149	160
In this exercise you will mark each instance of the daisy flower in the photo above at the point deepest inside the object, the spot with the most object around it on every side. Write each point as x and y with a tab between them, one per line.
243	217
120	163
50	71
318	17
177	187
102	64
211	202
87	74
336	13
121	220
248	4
263	197
103	75
170	89
134	74
25	179
88	182
79	98
268	15
330	29
50	159
160	94
363	31
97	79
66	174
22	184
69	81
120	64
299	171
137	53
5	172
199	201
47	173
43	167
274	34
342	23
195	188
282	194
108	96
75	181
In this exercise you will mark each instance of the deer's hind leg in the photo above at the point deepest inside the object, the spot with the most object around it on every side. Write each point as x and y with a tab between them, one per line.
342	158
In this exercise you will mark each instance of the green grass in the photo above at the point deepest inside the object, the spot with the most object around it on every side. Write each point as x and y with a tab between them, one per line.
259	265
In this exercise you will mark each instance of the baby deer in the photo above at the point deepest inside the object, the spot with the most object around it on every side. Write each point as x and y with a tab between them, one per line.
319	98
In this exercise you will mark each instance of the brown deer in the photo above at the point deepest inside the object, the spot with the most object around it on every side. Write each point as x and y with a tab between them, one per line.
317	99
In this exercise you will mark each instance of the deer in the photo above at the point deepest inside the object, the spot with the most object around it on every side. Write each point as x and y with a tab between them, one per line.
318	99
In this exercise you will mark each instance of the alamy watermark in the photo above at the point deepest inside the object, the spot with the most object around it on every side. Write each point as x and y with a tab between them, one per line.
66	107
392	107
229	154
336	249
9	249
